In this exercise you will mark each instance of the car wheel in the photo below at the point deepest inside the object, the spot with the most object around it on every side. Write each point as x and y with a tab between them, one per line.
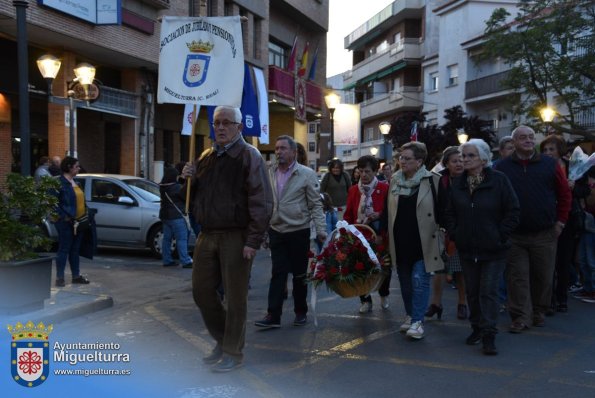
156	240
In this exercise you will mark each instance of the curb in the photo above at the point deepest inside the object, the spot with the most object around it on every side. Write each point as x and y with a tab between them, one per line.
67	306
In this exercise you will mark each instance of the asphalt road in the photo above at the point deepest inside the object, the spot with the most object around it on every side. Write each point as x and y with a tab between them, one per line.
155	322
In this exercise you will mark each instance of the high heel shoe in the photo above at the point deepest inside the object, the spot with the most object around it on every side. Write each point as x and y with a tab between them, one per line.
434	309
462	311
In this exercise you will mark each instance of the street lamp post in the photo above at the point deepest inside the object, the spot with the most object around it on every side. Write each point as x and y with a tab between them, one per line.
332	100
49	66
23	66
384	130
462	136
547	115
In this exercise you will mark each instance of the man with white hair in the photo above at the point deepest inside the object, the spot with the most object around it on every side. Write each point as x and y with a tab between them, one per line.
232	200
545	198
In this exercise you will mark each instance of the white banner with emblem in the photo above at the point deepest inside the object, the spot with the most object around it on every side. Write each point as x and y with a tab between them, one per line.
201	60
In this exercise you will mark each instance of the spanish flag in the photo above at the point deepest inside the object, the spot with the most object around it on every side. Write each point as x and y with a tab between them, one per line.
304	62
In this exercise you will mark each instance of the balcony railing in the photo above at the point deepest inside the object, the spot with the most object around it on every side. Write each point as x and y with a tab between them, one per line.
158	4
409	98
120	102
486	85
282	84
586	118
394	9
406	49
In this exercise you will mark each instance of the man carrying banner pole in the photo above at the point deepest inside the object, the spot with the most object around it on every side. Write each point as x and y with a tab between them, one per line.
232	199
202	62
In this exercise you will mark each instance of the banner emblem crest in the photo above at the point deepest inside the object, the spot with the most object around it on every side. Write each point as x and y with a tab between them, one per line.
195	69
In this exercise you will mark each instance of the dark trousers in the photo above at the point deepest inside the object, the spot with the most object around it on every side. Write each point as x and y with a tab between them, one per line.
529	274
482	280
564	257
69	246
289	254
218	259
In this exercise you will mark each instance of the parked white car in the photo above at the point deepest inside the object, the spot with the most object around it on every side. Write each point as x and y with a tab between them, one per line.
127	211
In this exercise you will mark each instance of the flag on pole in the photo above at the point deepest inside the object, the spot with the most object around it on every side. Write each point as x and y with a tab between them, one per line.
201	60
263	105
250	116
413	136
292	55
210	114
187	119
304	62
313	66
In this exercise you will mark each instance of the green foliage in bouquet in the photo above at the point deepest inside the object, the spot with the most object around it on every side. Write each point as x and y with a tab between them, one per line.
23	207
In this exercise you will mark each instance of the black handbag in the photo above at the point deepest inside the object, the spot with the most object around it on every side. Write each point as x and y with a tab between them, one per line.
82	223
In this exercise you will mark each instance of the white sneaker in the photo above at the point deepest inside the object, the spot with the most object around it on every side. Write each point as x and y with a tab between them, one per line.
416	331
365	307
406	324
384	303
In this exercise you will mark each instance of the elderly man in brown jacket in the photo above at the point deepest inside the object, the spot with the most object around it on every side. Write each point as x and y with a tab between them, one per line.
232	201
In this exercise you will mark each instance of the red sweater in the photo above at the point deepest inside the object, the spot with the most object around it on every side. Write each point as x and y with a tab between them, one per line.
354	196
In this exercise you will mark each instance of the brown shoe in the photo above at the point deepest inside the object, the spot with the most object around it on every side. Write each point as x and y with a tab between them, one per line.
517	327
538	321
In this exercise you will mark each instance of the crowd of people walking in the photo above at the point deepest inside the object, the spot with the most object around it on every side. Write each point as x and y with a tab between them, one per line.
473	221
520	220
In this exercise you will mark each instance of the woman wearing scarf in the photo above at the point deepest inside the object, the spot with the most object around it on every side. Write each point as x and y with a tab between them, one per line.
482	212
365	204
414	235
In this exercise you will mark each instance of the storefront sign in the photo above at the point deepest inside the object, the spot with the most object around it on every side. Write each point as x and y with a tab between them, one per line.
98	12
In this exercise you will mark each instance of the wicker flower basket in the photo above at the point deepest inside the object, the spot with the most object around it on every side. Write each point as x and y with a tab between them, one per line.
358	287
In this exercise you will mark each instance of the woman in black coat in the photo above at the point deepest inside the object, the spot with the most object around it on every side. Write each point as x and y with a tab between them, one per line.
482	212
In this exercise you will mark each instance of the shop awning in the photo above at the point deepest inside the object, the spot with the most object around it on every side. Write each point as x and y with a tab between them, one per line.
377	75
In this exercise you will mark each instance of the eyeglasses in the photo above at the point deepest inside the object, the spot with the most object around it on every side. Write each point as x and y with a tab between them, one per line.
405	159
224	123
468	155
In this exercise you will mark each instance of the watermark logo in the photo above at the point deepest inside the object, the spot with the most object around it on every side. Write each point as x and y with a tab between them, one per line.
30	353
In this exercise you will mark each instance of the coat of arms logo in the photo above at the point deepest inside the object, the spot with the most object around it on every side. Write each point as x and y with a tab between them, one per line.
30	353
197	63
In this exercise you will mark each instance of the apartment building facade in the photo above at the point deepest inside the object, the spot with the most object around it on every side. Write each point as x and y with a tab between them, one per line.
125	131
421	55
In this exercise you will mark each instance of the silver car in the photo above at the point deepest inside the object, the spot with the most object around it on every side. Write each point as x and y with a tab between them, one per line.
127	211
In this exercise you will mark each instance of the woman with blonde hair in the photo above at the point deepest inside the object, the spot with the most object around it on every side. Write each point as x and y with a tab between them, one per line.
413	232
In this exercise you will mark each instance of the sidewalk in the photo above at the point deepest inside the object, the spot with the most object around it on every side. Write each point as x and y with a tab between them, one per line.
65	303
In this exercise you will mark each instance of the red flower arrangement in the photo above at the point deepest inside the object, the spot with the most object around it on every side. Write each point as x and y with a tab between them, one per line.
345	263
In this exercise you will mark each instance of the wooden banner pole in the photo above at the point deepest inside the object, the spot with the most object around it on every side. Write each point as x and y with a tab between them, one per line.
191	155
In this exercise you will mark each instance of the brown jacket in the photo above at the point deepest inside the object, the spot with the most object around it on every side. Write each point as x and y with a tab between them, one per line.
232	191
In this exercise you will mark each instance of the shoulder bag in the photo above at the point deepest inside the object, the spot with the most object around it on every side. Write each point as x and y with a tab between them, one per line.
184	215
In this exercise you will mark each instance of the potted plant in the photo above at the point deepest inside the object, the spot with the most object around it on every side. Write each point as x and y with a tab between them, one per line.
25	274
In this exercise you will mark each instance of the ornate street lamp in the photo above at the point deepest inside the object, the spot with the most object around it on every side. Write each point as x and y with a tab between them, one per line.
332	100
384	130
462	136
547	115
49	66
